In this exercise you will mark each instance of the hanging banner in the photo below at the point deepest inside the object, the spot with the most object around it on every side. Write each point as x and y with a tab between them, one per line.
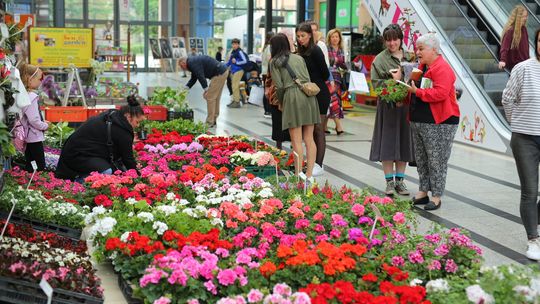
60	47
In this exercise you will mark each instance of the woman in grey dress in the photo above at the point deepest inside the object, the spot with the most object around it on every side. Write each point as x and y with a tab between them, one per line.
300	112
392	139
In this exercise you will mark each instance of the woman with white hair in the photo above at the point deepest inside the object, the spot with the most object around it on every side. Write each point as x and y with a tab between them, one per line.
434	116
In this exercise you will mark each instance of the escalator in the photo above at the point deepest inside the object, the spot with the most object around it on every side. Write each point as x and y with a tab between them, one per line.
533	8
476	43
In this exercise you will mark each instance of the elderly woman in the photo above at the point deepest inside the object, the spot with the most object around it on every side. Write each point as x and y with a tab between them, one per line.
521	101
434	116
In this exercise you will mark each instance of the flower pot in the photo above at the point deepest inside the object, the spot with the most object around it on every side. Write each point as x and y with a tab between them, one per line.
187	114
142	135
36	225
19	291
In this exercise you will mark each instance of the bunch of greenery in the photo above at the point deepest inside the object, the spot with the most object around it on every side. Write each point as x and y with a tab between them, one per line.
172	99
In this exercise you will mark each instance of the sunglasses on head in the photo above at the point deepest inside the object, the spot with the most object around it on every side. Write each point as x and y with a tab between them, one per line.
40	78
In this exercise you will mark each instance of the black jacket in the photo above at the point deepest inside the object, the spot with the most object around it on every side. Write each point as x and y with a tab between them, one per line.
202	67
86	149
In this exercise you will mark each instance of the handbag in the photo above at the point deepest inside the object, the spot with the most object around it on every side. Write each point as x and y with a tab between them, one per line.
309	88
270	92
116	164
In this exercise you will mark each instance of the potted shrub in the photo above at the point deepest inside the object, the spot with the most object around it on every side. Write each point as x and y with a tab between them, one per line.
175	100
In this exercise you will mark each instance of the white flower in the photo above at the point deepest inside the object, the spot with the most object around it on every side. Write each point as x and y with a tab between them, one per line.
266	193
131	201
130	214
216	222
201	209
160	227
477	295
103	226
438	285
190	212
535	285
415	282
124	236
184	202
170	196
525	291
168	210
146	216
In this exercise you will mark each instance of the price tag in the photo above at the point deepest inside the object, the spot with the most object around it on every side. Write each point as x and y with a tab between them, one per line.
17	18
47	289
34	165
4	30
378	216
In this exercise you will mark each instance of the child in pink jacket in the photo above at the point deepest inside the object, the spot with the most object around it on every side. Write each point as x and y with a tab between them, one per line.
31	77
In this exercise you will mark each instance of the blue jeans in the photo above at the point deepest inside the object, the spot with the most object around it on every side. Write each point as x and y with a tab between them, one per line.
526	149
80	179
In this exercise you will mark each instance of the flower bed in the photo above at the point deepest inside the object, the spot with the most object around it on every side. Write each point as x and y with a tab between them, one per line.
192	225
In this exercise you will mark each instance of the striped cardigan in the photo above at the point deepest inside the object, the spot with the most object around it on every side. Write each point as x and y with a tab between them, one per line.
521	98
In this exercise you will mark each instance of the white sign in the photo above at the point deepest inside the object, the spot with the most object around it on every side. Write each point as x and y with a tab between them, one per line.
124	9
47	289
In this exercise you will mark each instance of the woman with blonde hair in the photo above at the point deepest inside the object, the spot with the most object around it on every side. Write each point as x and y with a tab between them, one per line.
336	57
515	41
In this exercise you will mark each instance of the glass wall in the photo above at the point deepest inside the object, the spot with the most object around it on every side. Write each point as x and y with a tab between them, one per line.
144	18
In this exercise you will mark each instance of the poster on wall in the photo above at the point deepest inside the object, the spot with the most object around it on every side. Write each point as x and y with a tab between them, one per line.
196	45
178	46
56	47
213	44
154	46
165	46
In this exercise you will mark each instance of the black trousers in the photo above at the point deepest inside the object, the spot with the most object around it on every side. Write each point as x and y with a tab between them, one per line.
35	152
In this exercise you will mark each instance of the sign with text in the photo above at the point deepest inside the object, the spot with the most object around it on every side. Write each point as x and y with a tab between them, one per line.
60	47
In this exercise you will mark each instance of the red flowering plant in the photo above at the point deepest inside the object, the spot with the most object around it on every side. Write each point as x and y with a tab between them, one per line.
392	92
48	184
26	233
387	286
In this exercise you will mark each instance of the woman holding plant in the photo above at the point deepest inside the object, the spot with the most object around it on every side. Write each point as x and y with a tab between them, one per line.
434	120
392	139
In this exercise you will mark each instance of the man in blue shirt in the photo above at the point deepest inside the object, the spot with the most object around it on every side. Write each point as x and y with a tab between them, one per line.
201	68
236	61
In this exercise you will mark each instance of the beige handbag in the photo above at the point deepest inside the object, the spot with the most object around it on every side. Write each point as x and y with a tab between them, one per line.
309	88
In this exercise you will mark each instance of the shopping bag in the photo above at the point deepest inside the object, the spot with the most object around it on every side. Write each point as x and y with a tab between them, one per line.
256	96
358	83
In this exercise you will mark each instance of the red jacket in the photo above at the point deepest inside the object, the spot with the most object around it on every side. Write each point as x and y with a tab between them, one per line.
442	96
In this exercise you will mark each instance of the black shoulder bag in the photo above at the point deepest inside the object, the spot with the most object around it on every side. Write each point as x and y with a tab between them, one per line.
116	164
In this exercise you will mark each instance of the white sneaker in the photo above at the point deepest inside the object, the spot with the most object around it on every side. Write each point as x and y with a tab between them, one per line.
533	249
318	170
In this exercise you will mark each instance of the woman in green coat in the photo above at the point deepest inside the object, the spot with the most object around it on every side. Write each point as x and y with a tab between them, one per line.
300	112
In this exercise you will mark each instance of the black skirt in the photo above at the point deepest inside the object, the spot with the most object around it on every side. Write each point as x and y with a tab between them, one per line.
277	133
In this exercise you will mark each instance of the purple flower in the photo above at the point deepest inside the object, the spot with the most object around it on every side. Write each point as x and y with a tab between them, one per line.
355	233
434	265
416	257
398	261
441	250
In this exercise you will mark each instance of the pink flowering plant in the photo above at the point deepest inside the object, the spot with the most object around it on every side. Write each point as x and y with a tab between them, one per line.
280	293
61	268
438	254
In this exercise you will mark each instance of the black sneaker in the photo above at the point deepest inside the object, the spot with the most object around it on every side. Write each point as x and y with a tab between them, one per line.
432	206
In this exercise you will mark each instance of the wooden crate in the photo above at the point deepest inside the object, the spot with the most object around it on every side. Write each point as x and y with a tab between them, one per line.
69	114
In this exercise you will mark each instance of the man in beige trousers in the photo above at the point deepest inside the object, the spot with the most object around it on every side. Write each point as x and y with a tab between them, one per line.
201	68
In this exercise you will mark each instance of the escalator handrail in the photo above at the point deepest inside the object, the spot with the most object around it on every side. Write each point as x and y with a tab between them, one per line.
494	111
531	14
482	18
486	44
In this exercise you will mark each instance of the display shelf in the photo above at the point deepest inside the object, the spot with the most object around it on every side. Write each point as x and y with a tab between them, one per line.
36	225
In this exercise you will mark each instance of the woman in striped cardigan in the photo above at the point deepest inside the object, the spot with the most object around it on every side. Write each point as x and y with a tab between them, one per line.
521	101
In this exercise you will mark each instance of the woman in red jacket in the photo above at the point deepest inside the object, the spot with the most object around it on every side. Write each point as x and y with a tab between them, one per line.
515	42
434	116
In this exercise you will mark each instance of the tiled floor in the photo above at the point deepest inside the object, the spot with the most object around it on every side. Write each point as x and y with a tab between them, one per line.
482	191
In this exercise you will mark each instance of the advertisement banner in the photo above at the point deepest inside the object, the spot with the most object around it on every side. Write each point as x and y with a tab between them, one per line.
60	47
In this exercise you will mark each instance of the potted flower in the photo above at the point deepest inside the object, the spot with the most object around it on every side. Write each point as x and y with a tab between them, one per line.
392	92
175	100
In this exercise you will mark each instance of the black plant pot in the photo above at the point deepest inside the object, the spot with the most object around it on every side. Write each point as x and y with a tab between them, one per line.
142	135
